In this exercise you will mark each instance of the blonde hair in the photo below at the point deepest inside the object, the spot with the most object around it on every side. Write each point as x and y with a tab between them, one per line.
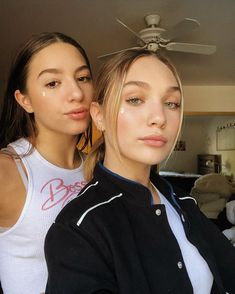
108	89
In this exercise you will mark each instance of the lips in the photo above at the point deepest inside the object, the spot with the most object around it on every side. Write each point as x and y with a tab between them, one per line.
154	140
78	113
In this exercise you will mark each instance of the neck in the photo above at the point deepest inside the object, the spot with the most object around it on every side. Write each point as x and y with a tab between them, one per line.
155	196
60	151
137	172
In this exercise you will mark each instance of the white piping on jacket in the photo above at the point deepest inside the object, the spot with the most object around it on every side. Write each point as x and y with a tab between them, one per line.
188	197
95	206
95	184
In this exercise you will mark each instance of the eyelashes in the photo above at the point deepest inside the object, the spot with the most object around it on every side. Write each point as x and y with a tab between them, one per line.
134	101
52	84
84	79
172	105
56	83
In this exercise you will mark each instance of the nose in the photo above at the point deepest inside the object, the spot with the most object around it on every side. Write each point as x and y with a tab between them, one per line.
157	116
75	91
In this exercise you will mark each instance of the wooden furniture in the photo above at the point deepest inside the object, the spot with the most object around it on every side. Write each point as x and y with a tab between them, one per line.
209	163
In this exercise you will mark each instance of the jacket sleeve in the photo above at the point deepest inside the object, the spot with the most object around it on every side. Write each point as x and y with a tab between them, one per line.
224	253
75	263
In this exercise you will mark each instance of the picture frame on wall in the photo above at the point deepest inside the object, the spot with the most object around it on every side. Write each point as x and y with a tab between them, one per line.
225	137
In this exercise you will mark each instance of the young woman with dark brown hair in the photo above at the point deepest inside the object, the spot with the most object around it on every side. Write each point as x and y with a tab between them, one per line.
44	115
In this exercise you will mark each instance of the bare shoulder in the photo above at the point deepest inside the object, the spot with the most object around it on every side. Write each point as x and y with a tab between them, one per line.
7	169
12	191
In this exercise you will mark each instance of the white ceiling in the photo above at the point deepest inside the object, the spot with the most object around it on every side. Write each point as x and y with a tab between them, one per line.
92	23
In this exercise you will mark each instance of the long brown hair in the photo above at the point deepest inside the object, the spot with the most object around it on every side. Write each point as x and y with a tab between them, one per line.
15	122
108	89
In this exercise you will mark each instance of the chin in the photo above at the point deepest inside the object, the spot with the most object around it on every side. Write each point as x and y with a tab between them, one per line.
81	129
152	159
144	157
149	162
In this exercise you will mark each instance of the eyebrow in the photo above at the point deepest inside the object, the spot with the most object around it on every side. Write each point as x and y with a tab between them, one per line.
136	83
174	89
58	71
146	86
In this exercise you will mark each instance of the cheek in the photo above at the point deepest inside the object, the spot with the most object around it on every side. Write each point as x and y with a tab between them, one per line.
125	118
130	119
128	125
174	124
44	101
39	96
88	92
122	110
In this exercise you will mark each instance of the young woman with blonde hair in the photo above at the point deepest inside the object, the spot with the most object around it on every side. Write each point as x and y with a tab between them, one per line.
130	231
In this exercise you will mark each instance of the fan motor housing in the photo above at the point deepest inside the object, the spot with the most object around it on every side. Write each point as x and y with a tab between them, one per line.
152	19
151	34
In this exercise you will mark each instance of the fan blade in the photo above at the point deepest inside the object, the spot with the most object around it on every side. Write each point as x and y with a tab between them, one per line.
116	52
130	30
191	48
181	28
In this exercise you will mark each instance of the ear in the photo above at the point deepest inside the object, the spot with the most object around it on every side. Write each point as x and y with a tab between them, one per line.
24	101
96	112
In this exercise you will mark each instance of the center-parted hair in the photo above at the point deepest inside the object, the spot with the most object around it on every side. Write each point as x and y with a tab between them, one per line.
108	88
15	122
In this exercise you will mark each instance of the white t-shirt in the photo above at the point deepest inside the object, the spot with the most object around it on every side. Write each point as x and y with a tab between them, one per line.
199	273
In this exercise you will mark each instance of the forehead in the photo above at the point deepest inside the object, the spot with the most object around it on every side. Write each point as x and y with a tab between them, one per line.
150	69
56	55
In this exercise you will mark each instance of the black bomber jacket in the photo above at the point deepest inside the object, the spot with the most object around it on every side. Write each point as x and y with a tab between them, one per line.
111	239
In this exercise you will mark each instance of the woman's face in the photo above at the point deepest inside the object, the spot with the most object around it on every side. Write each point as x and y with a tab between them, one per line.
149	115
59	90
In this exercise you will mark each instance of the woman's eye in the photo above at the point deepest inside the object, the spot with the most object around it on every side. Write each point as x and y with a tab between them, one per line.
84	79
134	101
52	84
172	105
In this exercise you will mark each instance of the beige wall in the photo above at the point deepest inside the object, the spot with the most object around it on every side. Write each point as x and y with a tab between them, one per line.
209	98
199	133
228	156
186	161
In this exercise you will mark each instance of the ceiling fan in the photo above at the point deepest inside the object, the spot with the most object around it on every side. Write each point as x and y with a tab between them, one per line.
155	38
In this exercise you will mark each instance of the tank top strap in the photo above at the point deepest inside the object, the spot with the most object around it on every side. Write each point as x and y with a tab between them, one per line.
11	152
21	171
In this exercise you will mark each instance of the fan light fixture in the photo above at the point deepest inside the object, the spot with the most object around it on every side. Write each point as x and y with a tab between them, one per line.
155	38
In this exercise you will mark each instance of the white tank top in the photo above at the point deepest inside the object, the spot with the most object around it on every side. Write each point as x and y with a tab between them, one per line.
199	273
22	262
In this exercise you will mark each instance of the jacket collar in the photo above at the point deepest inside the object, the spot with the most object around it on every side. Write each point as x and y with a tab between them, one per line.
133	190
